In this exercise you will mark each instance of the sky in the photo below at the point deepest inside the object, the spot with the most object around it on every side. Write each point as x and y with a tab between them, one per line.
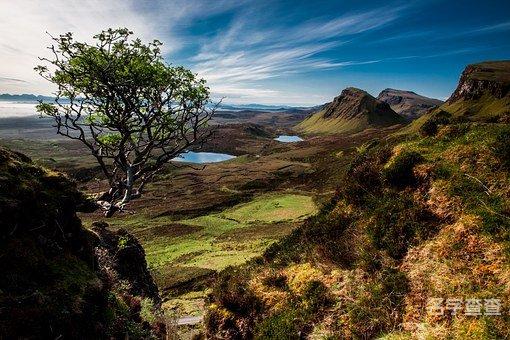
275	51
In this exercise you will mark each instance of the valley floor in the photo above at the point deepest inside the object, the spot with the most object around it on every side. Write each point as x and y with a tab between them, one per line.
195	221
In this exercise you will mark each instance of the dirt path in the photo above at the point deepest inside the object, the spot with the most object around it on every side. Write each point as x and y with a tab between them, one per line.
190	320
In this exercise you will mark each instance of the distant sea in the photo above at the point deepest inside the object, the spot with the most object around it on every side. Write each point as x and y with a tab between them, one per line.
17	109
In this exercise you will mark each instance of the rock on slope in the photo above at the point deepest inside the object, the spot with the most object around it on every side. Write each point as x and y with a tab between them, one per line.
491	77
60	280
483	95
353	111
483	91
407	103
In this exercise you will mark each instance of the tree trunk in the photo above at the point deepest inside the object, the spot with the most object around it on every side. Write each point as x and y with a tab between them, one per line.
129	186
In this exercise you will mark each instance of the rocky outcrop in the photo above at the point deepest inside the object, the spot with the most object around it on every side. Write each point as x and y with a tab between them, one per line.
121	258
54	281
407	103
491	78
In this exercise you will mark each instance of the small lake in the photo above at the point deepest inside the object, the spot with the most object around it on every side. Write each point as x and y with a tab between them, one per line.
288	139
202	157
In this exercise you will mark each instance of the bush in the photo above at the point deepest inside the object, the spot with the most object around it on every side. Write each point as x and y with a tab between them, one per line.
430	127
398	222
276	281
364	174
232	292
376	304
399	172
315	296
280	326
502	147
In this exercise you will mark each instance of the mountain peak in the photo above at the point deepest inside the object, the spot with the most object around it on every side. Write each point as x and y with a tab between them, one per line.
353	102
408	103
352	111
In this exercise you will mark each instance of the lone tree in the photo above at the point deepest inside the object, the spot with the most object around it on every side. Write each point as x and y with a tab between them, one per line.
132	111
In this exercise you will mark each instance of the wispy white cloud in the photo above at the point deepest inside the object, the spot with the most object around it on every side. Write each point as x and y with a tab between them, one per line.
24	23
246	53
500	27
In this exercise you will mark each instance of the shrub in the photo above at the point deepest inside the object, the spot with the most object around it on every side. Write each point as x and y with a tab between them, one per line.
398	222
377	305
364	174
399	172
147	311
502	147
326	238
232	292
429	128
315	296
280	326
276	281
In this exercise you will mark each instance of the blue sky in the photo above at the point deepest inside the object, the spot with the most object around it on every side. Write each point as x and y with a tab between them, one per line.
276	52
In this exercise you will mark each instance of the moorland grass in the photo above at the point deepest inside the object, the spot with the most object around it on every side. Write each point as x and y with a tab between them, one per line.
180	251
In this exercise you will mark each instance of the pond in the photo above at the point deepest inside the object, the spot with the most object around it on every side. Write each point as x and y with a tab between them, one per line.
202	157
288	139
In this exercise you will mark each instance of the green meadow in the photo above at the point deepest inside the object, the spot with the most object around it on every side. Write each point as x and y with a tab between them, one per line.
183	251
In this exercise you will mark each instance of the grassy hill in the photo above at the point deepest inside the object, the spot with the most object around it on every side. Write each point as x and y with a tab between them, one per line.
353	111
483	93
414	218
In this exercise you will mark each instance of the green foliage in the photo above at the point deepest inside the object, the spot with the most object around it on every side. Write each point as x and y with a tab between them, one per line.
110	139
501	147
399	172
430	126
123	242
364	173
376	304
398	223
321	233
147	311
279	326
132	110
232	292
315	296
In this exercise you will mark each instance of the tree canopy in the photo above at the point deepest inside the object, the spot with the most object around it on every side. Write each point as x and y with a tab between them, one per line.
133	111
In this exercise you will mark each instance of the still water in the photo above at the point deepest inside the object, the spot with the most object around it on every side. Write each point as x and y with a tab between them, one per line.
202	157
288	139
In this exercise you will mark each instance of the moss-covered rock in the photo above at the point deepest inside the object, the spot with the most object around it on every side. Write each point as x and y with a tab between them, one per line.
51	284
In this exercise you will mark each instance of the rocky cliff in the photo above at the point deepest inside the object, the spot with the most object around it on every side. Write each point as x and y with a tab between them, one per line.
492	77
60	280
408	104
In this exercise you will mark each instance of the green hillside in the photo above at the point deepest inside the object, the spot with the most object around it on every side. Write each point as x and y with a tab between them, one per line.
415	218
483	93
353	111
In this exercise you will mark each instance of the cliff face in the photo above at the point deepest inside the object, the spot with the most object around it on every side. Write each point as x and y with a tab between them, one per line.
491	78
352	111
54	284
407	103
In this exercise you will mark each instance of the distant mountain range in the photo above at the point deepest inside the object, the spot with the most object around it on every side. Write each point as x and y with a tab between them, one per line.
223	107
23	97
260	107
